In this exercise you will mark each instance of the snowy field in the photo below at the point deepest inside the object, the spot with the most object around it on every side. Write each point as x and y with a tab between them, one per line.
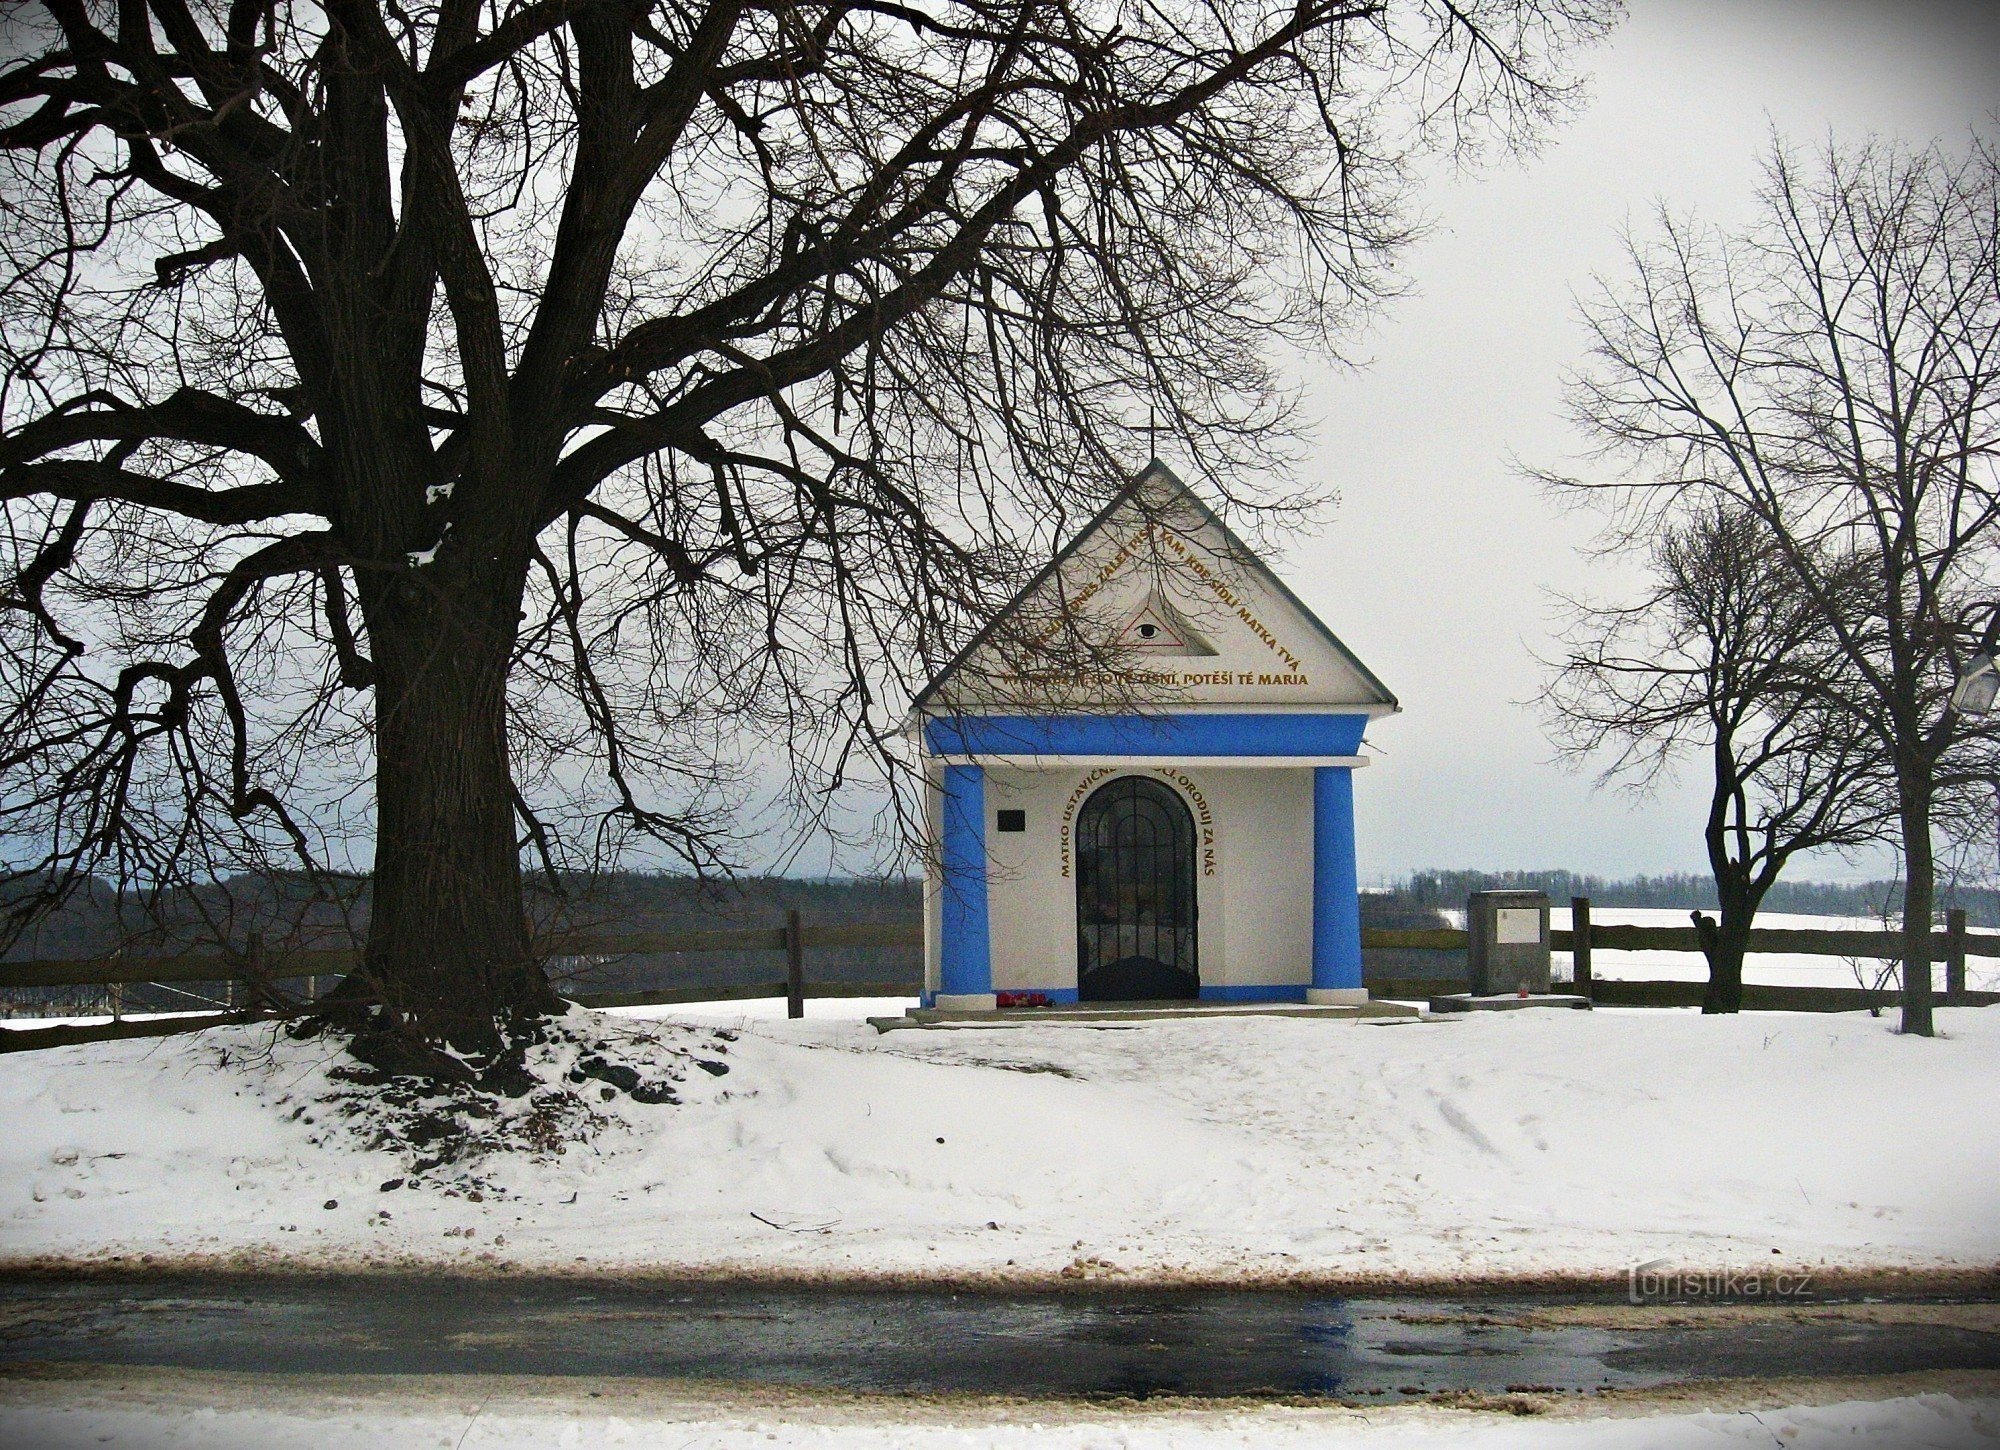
1252	1149
242	1415
1777	969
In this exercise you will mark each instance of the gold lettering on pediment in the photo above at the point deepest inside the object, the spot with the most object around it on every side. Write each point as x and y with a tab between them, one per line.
1147	679
1192	560
1177	550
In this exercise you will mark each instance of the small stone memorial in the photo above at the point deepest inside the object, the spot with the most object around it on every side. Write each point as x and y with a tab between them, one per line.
1507	955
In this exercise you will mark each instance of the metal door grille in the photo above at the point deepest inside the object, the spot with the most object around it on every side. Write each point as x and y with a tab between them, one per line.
1135	894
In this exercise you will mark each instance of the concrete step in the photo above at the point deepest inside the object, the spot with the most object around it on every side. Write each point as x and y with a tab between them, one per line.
1085	1013
1507	1002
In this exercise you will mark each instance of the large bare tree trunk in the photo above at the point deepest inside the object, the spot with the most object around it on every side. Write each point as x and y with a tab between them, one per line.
448	937
1919	893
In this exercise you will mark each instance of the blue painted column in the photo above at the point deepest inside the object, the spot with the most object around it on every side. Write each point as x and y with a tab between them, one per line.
1336	970
965	965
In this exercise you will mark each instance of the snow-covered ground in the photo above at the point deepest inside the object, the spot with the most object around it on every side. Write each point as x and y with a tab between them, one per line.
1250	1148
247	1415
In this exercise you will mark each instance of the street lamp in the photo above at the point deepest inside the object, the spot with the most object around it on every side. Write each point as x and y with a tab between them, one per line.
1977	688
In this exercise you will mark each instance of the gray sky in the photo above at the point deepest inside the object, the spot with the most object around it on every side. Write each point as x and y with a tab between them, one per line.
1436	566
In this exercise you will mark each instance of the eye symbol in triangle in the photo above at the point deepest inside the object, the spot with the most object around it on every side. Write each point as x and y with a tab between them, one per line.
1149	630
1158	628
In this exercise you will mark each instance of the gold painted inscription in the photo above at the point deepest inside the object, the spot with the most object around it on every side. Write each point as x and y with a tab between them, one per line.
1203	816
1198	566
1069	810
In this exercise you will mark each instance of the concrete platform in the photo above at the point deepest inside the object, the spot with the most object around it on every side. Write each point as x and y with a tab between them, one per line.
1508	1002
1061	1014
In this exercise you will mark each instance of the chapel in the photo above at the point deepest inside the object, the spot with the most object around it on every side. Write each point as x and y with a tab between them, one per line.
1140	779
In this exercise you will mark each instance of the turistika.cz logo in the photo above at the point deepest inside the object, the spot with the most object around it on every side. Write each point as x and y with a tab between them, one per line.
1656	1280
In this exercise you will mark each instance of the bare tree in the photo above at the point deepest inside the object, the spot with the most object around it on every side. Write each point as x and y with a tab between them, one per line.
1724	659
1834	372
447	426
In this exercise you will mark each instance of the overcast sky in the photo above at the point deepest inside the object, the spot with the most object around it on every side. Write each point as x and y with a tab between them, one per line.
1436	567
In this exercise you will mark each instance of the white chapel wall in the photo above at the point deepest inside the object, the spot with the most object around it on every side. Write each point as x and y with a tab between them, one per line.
1268	893
1253	872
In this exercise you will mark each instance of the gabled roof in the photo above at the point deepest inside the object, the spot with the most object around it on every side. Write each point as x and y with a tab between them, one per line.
1156	473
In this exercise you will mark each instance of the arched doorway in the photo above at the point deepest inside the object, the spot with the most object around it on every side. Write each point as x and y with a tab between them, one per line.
1135	894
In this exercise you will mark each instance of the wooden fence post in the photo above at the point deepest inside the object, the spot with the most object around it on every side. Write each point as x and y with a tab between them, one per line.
1579	944
1954	956
795	965
257	996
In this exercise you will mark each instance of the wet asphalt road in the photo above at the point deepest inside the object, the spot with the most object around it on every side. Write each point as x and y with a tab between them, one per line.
1113	1342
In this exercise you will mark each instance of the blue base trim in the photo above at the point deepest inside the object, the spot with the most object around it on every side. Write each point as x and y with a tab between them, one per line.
1189	735
1235	993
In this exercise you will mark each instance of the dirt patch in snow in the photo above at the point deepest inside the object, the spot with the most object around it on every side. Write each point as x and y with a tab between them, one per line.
442	1135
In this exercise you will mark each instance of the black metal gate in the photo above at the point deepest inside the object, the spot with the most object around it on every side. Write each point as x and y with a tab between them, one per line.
1135	901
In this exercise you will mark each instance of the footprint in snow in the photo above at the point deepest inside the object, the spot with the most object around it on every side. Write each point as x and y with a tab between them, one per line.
1465	1127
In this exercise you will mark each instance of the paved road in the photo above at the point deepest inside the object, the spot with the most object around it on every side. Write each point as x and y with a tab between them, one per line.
1076	1343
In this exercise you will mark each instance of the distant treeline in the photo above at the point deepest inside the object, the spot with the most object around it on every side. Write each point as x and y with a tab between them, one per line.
290	911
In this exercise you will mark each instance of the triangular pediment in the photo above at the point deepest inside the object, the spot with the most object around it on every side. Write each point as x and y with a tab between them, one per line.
1156	603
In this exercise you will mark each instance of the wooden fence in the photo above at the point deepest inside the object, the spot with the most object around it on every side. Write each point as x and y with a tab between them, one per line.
260	974
251	969
1954	945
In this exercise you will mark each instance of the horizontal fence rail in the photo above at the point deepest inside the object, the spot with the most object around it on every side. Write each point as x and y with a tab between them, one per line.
1624	992
1952	946
794	939
118	971
1788	941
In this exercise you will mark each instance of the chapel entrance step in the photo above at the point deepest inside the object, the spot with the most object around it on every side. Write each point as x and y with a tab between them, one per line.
1086	1013
1508	1001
